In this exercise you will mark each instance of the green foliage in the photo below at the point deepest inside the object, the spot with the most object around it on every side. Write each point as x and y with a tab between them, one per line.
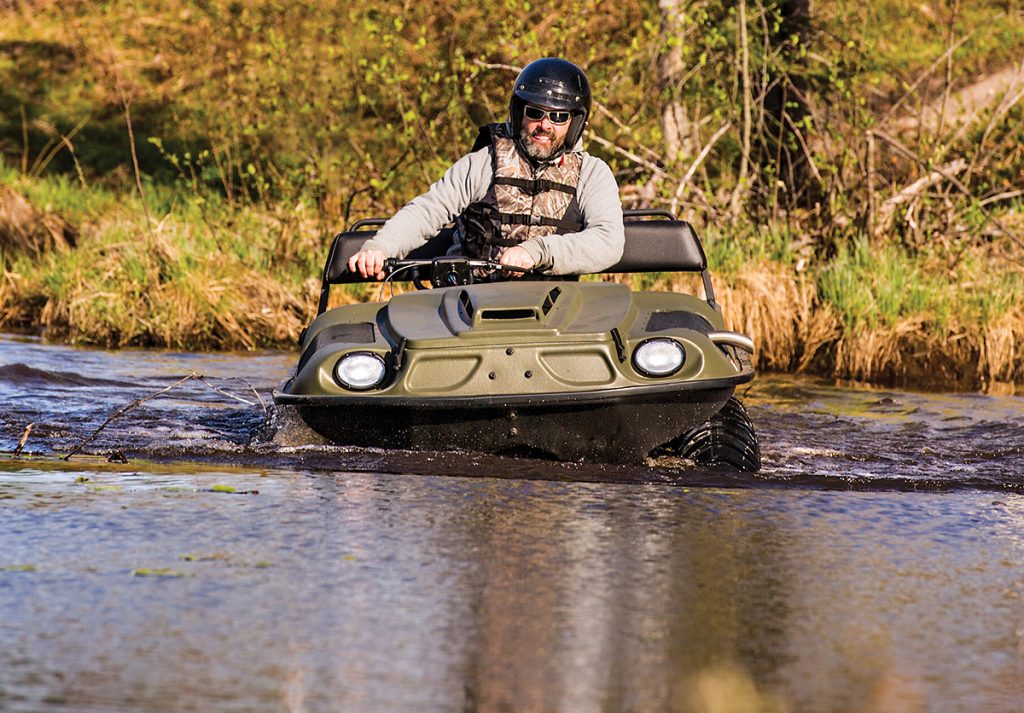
879	286
355	107
729	252
262	127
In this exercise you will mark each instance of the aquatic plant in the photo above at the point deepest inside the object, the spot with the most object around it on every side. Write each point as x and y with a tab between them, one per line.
158	572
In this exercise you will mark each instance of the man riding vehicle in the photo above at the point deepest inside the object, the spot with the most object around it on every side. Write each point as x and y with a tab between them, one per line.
527	196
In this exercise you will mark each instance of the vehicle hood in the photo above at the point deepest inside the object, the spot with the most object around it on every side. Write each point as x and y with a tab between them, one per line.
506	308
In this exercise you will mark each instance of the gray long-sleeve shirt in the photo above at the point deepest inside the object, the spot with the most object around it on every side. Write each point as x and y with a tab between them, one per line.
596	247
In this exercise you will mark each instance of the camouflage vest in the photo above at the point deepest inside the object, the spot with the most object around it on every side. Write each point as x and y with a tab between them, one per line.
522	201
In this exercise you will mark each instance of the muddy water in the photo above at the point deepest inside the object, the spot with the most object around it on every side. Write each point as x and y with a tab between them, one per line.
876	564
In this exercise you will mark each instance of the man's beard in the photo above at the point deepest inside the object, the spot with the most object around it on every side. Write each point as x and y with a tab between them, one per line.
537	152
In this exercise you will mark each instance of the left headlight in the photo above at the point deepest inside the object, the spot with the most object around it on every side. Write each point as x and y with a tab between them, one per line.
360	371
659	357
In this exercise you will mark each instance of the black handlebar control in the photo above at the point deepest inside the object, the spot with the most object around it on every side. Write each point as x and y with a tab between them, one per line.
444	271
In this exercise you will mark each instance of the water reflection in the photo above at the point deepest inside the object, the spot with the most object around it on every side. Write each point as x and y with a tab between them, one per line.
227	566
383	593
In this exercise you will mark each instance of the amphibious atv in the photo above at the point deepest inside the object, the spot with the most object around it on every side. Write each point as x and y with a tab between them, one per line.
565	369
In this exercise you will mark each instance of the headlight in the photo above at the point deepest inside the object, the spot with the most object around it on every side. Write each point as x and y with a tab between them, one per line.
360	371
658	357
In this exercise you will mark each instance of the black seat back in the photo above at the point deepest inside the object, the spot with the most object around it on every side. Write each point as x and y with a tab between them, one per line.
664	245
660	246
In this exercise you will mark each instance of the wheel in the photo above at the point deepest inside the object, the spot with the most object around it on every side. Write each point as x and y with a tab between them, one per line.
725	439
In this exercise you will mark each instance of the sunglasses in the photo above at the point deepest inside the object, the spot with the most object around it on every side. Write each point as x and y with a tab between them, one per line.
534	113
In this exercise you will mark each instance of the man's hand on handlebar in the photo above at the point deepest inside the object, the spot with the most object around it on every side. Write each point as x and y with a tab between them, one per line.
368	263
443	271
516	257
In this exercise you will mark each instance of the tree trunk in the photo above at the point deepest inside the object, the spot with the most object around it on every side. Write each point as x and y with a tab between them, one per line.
784	108
675	122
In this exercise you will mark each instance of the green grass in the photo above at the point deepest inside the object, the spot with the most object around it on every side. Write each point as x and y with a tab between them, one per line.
899	40
878	286
729	252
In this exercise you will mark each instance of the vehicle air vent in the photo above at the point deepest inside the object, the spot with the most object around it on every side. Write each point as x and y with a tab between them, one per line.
508	314
677	320
466	304
549	301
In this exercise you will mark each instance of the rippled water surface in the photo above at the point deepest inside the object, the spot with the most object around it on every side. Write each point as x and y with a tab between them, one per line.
876	564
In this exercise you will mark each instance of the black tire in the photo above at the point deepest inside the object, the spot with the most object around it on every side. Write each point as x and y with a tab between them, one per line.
726	439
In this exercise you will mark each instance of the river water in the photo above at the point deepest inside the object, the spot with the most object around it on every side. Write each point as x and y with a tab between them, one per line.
199	555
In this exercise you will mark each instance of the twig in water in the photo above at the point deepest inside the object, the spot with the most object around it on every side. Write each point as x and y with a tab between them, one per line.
222	392
24	439
124	409
257	393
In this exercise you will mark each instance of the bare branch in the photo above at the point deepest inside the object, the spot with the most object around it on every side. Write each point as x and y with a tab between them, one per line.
803	145
1004	107
741	178
697	162
870	160
626	129
1001	197
918	187
896	144
948	83
658	170
489	65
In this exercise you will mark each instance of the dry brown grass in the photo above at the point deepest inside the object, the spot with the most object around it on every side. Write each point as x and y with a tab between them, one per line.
242	284
1001	355
23	228
130	283
794	330
976	356
201	311
780	311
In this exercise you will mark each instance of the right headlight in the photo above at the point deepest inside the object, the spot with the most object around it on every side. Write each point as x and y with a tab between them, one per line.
360	371
659	357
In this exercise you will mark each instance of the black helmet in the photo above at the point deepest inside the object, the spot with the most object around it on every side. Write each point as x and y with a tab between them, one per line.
555	84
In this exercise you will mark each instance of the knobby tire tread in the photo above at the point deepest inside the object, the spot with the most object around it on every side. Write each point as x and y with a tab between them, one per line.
726	439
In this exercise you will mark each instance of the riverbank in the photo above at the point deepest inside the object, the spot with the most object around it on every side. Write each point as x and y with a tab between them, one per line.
854	169
201	275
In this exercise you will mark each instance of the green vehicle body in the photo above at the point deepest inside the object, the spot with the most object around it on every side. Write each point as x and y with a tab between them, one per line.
521	367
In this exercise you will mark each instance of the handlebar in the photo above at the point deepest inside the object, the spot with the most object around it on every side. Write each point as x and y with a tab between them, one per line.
446	271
